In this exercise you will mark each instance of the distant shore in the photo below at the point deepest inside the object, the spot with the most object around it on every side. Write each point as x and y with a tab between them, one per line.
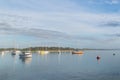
51	49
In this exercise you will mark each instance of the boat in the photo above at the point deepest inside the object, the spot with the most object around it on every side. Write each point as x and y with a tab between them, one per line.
2	53
26	54
77	52
17	51
44	52
13	53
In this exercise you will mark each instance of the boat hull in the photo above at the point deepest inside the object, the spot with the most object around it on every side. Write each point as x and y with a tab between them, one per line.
26	55
77	52
13	53
44	52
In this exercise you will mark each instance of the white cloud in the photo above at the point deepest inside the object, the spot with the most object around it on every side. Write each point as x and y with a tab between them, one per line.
112	2
71	23
53	15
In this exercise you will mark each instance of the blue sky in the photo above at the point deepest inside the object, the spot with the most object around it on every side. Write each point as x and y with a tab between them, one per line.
73	23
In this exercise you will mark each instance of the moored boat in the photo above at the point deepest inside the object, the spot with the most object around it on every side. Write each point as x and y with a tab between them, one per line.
13	53
77	52
44	52
26	54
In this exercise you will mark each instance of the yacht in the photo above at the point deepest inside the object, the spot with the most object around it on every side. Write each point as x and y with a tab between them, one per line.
26	54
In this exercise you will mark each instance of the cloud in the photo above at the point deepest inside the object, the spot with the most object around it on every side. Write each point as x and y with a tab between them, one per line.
112	2
5	28
68	23
49	20
114	35
111	24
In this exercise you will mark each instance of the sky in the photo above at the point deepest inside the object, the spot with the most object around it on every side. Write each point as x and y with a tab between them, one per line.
67	23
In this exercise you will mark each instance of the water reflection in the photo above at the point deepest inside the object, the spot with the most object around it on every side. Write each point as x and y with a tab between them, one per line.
44	57
78	54
2	53
13	56
64	66
26	60
59	57
113	54
98	59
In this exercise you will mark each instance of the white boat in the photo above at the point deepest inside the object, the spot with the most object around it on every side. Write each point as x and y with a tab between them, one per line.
26	54
2	53
17	51
44	52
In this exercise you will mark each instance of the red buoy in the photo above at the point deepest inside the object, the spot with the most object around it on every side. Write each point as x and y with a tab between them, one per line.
98	57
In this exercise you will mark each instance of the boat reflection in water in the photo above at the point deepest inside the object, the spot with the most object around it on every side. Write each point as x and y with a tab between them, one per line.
80	54
44	55
98	59
26	60
2	53
113	54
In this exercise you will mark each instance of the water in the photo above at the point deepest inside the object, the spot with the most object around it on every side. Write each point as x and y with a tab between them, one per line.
63	66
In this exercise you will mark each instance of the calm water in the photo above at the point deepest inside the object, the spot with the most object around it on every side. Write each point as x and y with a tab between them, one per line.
63	66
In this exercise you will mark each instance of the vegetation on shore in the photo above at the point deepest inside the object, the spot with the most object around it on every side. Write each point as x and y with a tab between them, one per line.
51	48
39	48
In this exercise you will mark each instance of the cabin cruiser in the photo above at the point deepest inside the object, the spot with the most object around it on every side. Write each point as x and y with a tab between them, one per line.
26	54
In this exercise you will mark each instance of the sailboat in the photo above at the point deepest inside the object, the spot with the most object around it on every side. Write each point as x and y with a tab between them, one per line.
13	53
44	51
14	50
